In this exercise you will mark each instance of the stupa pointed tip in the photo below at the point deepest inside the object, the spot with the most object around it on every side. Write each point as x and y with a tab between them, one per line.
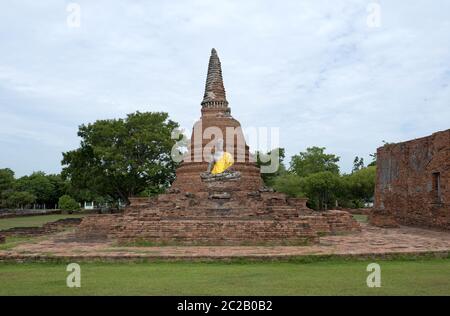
214	90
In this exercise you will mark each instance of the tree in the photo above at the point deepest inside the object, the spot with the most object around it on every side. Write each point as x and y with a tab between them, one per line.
67	203
265	159
358	164
6	185
37	184
20	199
123	157
290	184
314	160
374	160
321	188
359	186
60	187
6	179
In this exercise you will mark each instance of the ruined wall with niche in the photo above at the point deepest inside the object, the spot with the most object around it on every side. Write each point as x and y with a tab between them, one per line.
413	182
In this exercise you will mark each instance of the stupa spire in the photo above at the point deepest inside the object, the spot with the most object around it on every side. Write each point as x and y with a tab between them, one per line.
214	89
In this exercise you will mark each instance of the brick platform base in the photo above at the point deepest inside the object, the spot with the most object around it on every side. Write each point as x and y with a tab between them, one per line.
383	218
219	218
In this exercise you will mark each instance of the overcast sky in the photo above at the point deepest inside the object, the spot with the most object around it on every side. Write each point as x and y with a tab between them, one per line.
325	72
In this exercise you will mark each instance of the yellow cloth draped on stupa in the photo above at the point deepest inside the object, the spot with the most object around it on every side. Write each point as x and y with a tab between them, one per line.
223	163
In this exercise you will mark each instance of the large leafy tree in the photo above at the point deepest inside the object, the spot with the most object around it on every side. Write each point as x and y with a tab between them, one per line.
123	157
314	160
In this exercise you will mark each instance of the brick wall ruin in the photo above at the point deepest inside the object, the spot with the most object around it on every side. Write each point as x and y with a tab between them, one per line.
413	183
249	218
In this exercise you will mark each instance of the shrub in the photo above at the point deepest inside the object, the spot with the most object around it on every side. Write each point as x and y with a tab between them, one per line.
67	203
290	184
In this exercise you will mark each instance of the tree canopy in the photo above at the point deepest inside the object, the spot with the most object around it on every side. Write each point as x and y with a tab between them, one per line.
6	185
315	174
123	157
38	184
314	160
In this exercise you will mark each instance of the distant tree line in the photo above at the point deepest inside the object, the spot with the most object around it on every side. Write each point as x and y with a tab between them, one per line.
37	190
120	158
316	175
117	158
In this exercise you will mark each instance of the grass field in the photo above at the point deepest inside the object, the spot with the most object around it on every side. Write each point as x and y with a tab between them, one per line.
33	221
330	277
336	277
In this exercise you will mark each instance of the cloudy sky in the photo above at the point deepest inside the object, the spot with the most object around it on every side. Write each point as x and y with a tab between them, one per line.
327	73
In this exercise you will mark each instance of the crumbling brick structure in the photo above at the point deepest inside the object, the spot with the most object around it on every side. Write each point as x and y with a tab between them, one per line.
46	229
413	183
231	208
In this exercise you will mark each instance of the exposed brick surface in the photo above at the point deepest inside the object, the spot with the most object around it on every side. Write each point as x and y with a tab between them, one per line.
200	218
413	183
371	242
47	228
383	218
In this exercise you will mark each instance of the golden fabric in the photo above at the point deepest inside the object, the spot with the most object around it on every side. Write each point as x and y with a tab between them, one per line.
225	162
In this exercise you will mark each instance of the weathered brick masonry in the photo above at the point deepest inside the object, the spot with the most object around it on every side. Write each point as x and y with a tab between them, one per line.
231	210
47	228
413	183
192	219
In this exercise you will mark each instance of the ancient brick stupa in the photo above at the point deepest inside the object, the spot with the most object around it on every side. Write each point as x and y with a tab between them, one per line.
216	119
212	204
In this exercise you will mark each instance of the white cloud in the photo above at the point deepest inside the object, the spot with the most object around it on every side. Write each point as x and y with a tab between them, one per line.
313	68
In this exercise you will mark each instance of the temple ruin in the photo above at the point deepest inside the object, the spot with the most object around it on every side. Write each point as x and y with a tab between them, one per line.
232	207
413	183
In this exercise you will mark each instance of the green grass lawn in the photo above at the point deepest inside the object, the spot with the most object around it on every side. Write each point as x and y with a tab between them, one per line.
33	221
335	277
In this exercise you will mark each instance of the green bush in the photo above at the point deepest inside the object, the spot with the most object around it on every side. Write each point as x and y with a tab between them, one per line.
67	203
290	184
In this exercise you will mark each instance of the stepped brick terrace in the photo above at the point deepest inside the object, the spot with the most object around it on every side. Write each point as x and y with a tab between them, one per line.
370	242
